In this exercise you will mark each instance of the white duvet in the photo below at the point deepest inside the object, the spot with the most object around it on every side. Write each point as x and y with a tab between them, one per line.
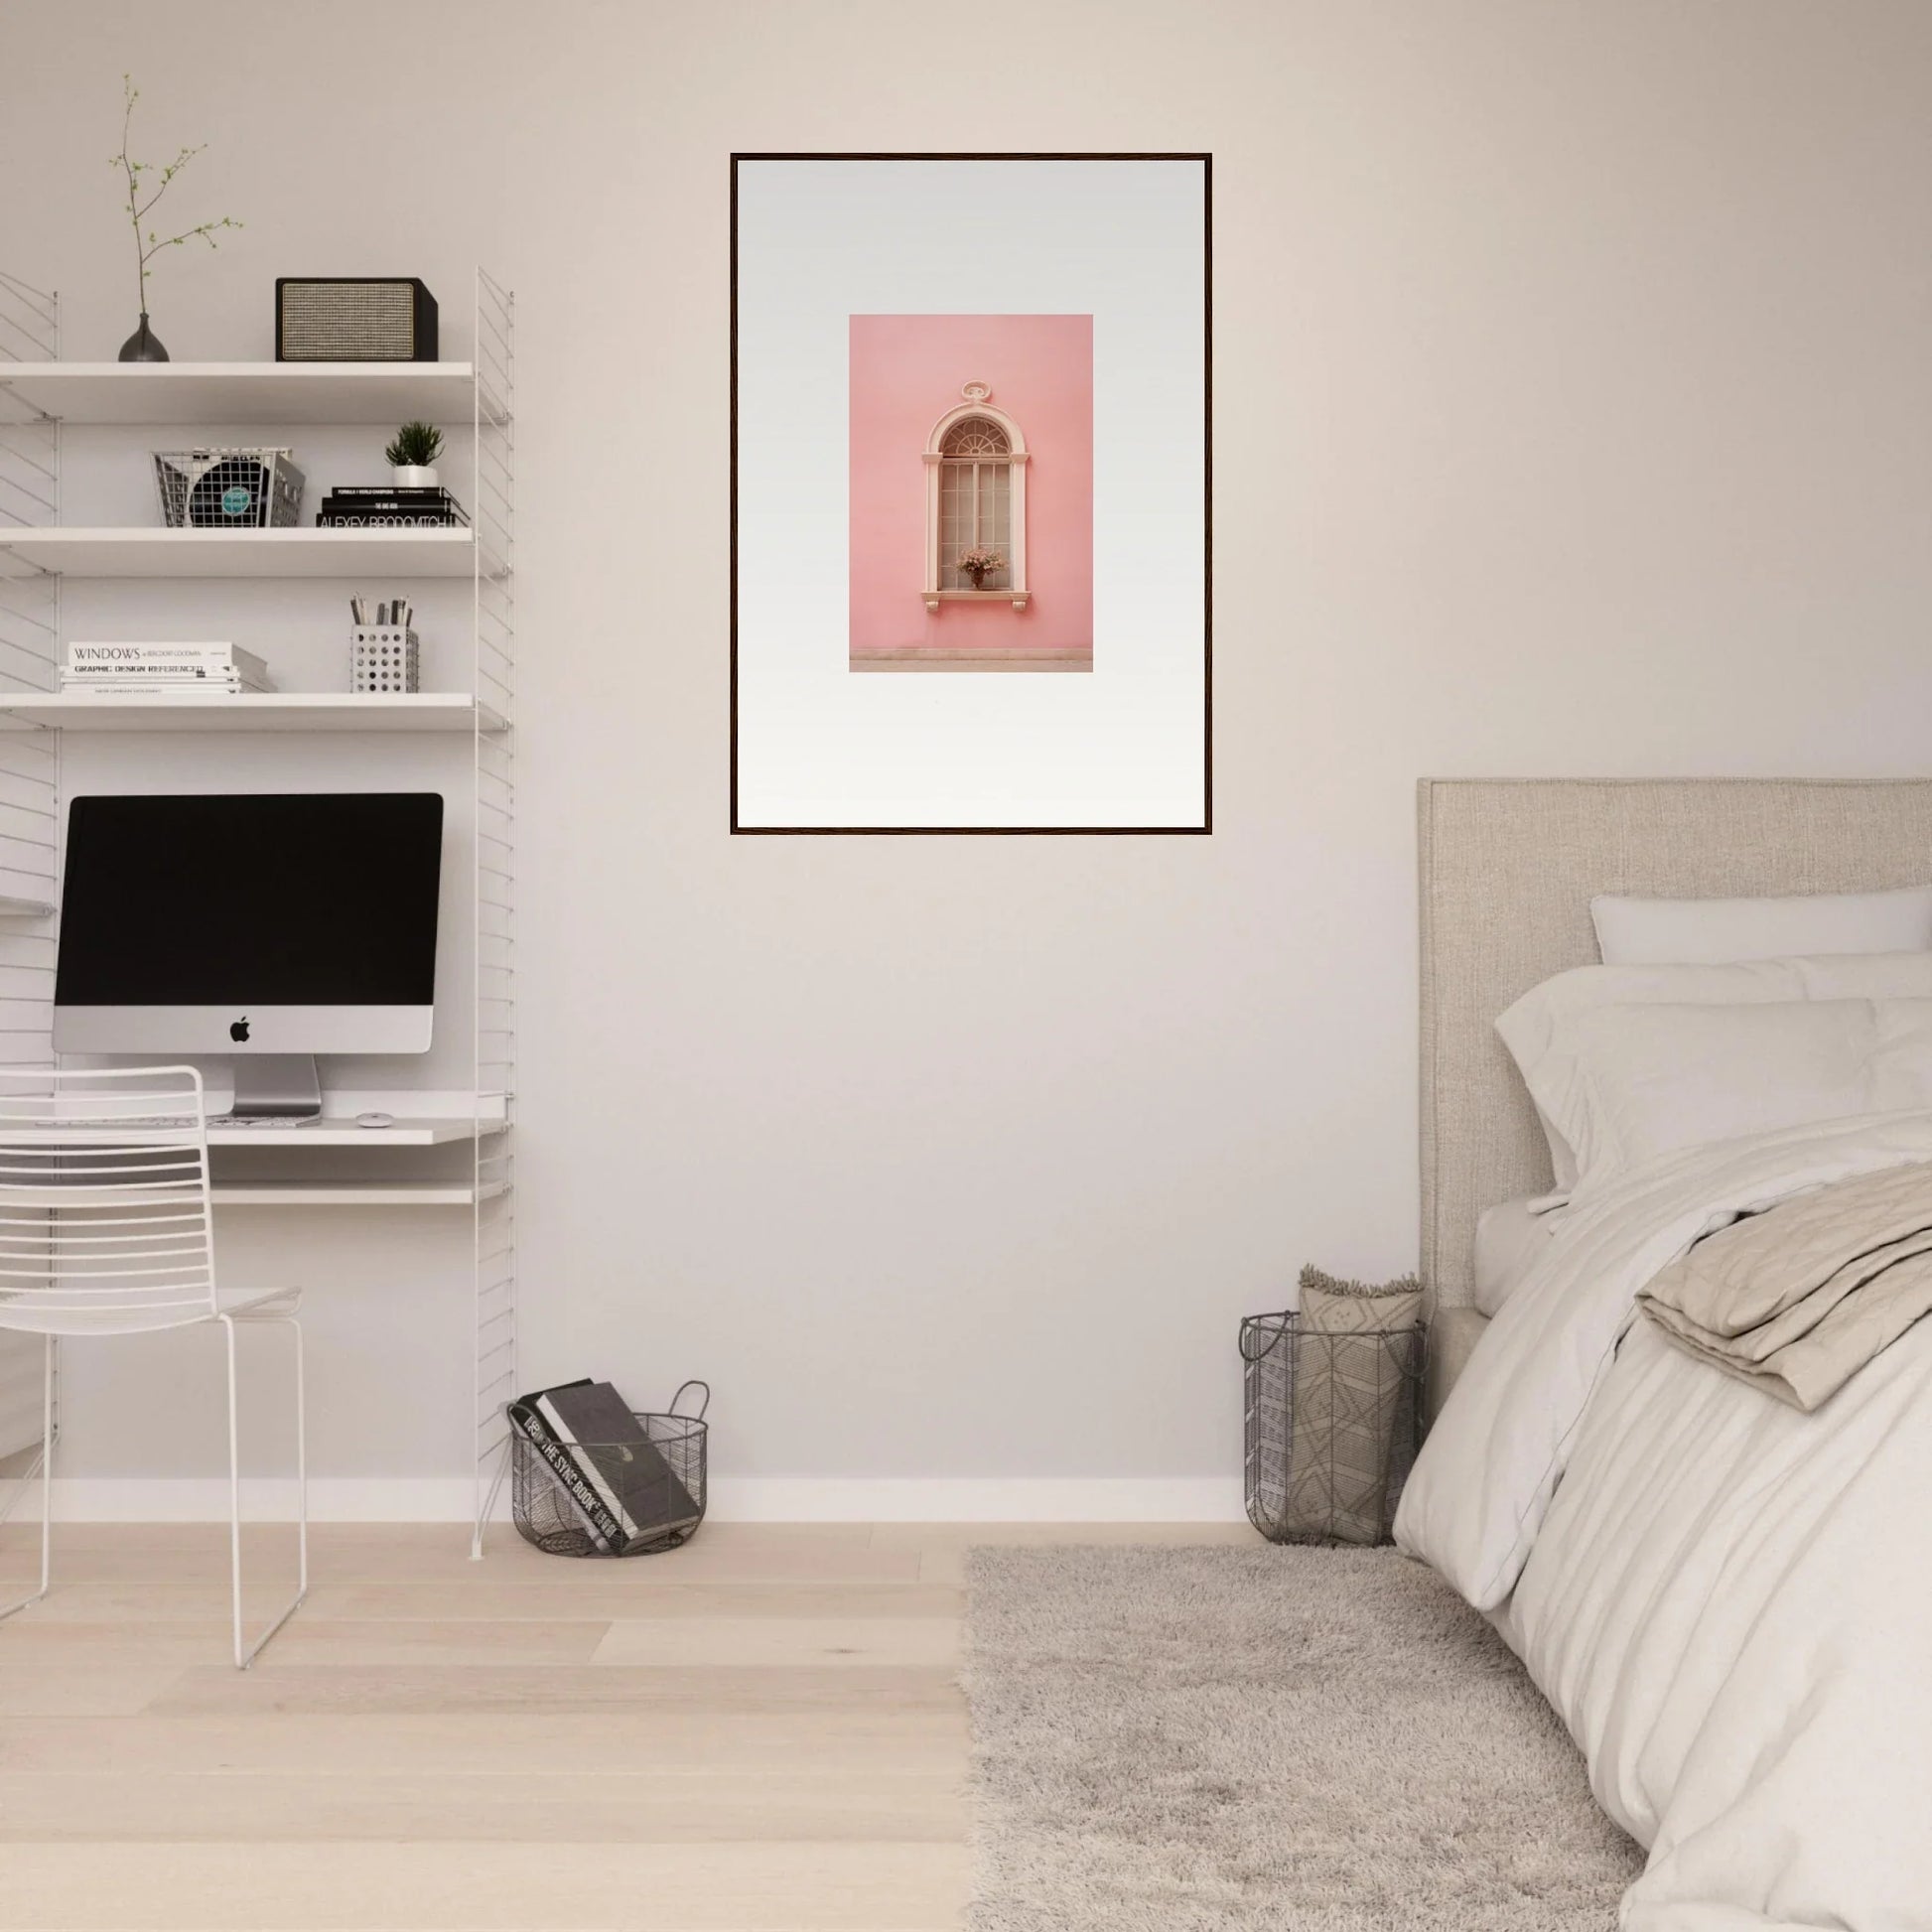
1728	1601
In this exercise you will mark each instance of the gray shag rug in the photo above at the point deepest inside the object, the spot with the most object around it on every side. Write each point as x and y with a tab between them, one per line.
1226	1739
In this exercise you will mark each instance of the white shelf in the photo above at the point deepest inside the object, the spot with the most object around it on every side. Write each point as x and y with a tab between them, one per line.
142	552
346	1193
345	1133
331	1131
269	711
245	392
24	908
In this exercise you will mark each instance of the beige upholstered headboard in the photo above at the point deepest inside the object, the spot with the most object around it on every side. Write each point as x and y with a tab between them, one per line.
1508	867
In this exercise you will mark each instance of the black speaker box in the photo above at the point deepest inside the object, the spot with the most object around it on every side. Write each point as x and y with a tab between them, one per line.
353	318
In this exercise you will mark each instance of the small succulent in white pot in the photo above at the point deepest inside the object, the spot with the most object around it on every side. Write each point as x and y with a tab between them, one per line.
411	455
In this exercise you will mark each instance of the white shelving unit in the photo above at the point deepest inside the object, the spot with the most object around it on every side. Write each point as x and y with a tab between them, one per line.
39	395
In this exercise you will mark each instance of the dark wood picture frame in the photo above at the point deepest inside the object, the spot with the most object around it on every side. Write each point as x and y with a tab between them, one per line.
1207	826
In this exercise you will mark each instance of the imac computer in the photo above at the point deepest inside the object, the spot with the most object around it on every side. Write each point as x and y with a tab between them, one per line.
267	927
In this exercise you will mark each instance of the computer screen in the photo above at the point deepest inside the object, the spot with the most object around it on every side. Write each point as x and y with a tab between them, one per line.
281	922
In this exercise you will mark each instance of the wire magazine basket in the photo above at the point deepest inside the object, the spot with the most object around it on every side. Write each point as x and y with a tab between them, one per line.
547	1514
1333	1426
227	488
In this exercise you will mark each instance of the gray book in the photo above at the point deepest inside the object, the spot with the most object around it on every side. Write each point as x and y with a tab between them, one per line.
595	1426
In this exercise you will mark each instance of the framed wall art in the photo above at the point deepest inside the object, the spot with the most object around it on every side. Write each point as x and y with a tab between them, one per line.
971	472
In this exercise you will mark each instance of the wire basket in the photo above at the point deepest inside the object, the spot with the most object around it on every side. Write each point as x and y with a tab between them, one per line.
546	1514
227	490
1333	1423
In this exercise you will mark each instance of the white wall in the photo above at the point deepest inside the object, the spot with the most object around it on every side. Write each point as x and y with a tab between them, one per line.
1575	394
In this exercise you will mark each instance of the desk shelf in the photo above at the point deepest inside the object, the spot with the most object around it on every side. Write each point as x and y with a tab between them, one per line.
331	1131
345	1133
351	1193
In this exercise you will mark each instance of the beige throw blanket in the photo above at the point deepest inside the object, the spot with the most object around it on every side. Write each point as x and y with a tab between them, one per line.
1799	1299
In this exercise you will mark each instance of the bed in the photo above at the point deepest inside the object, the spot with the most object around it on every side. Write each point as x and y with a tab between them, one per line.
1724	1599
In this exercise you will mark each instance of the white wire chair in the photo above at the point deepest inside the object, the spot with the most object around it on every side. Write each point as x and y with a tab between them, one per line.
105	1229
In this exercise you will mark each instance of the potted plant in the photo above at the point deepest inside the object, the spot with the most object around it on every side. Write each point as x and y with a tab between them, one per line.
144	345
978	563
411	455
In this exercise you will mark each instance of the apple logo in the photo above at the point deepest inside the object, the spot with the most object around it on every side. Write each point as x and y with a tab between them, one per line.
239	1031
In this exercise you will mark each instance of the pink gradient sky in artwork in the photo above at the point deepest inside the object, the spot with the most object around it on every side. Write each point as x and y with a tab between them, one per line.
906	372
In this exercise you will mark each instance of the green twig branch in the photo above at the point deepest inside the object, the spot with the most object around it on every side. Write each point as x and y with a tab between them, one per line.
148	244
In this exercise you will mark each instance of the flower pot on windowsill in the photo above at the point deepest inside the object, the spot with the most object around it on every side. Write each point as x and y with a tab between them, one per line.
978	579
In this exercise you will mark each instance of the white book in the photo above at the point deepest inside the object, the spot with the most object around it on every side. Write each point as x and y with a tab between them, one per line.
147	673
95	687
134	680
167	674
101	658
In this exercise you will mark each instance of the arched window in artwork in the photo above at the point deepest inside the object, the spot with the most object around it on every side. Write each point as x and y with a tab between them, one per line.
976	504
976	435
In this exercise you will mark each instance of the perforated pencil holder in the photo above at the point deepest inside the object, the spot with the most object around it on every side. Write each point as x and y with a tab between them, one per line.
383	658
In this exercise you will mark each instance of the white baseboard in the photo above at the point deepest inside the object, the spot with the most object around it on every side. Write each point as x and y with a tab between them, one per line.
204	1499
734	1499
975	1499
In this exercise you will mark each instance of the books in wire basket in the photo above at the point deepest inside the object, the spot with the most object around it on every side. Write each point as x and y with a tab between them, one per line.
599	1473
116	669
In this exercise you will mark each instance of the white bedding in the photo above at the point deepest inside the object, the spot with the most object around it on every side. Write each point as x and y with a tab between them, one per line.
1510	1240
1725	1600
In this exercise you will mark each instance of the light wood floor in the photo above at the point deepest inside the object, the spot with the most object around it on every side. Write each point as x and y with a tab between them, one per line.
758	1733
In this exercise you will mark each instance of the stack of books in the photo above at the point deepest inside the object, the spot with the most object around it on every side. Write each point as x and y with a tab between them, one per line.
624	1492
117	669
385	506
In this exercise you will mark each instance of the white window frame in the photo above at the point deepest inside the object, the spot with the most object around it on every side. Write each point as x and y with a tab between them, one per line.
977	403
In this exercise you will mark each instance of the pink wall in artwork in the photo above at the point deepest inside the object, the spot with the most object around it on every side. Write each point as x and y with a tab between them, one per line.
906	372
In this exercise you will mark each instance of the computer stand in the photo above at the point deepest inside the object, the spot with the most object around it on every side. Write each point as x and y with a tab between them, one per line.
277	1086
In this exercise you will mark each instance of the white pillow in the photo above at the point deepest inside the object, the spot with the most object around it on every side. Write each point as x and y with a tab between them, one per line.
1511	1238
1624	1084
1531	1027
1704	931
